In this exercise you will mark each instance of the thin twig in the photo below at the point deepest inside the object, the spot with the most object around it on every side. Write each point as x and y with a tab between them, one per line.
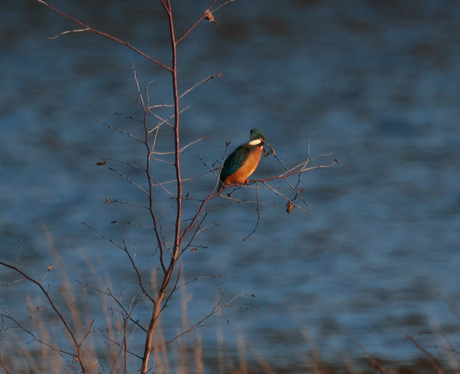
218	75
195	24
376	364
88	28
436	364
258	216
67	327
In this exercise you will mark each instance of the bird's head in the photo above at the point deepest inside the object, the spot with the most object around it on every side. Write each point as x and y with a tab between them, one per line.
256	137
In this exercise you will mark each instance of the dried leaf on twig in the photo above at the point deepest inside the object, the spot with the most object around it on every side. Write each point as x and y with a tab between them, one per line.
289	206
218	75
209	16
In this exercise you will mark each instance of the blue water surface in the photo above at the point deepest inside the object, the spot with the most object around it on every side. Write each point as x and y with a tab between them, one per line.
374	83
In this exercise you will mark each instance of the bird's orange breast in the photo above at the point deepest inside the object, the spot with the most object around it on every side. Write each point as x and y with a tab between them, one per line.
248	167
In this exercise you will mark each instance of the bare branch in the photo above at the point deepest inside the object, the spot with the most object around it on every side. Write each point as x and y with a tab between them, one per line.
104	236
68	31
196	23
129	180
221	5
372	360
436	364
216	309
120	130
28	331
218	75
258	217
88	28
67	327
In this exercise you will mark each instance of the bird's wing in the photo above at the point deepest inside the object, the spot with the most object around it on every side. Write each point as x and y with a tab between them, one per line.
235	160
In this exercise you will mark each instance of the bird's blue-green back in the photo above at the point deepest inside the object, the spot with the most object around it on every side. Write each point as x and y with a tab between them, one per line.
235	160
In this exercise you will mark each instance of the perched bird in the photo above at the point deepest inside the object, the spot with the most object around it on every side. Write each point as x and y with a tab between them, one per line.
243	161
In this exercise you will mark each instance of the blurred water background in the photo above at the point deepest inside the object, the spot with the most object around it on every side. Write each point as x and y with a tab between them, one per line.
374	82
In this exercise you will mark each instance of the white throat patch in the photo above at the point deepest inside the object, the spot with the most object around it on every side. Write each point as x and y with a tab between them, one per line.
255	142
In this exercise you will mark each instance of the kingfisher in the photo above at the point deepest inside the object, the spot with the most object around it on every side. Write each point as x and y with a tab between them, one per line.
243	161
